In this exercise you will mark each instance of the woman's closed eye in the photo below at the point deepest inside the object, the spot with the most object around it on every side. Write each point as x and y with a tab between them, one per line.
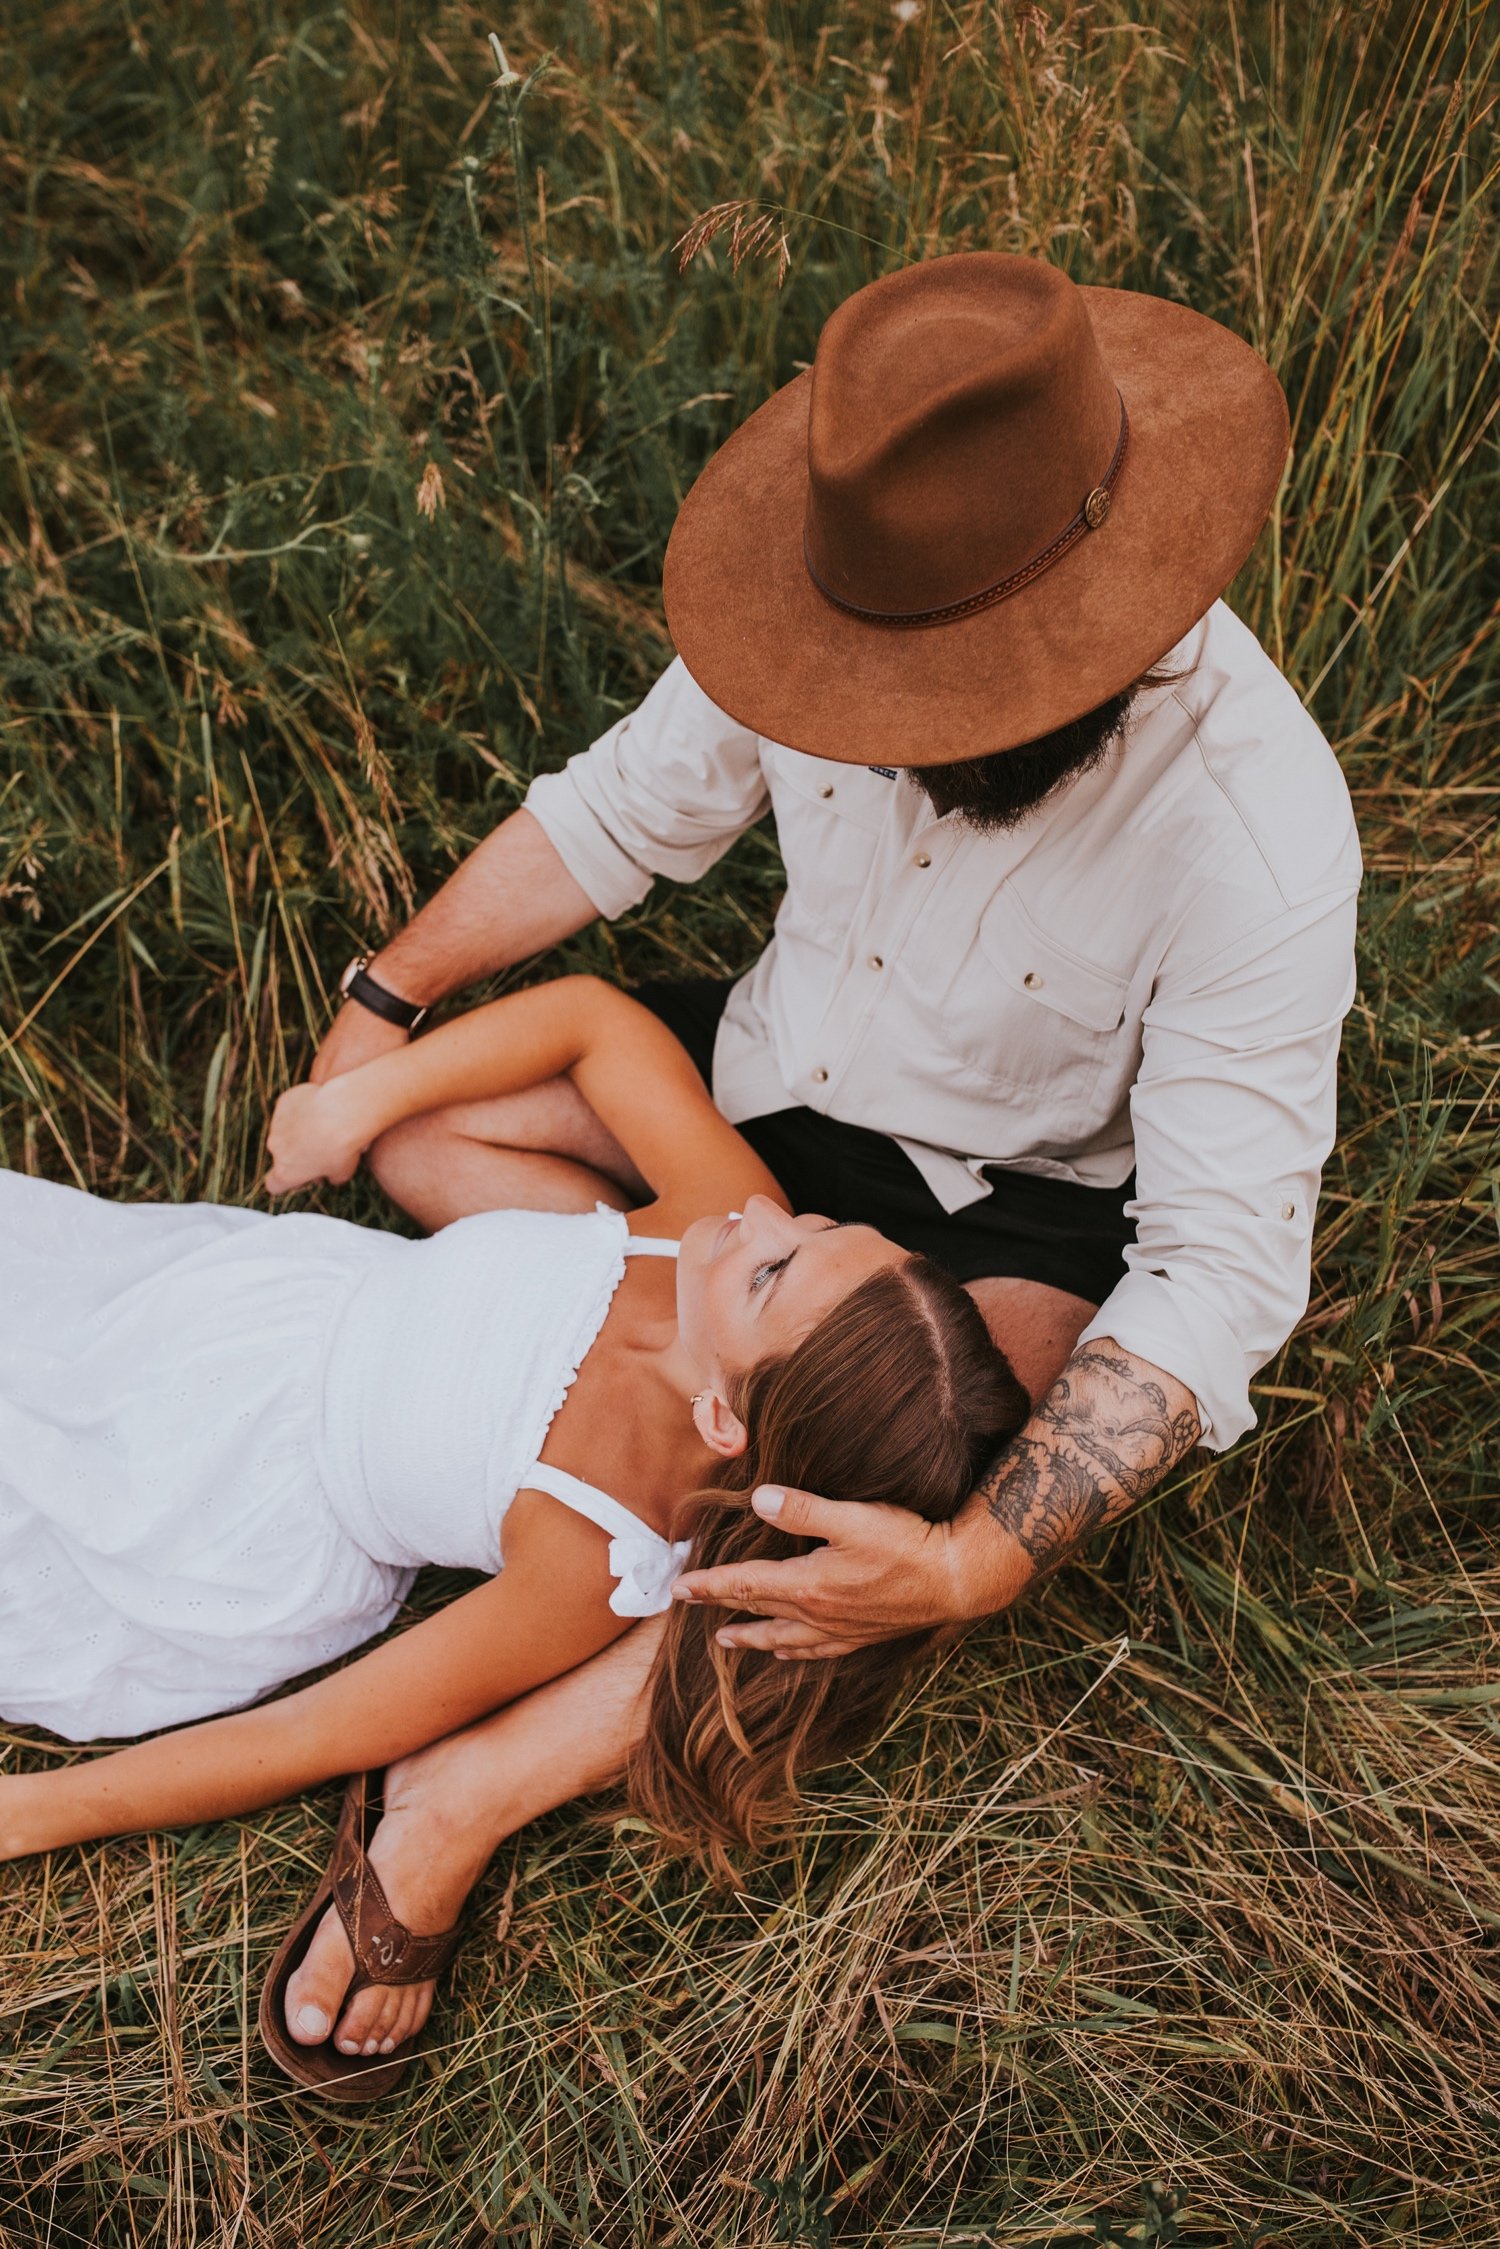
764	1273
775	1265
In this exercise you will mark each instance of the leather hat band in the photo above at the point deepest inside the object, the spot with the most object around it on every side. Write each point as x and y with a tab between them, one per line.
1089	517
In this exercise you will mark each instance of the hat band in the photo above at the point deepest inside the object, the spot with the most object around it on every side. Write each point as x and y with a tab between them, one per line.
1089	517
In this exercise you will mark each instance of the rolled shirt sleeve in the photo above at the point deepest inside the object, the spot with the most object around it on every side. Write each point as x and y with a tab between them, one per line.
1233	1112
665	791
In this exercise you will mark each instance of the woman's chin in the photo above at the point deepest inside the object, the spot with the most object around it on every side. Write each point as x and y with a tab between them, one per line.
700	1239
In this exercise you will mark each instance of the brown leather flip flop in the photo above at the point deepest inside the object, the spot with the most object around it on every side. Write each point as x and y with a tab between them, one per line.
385	1952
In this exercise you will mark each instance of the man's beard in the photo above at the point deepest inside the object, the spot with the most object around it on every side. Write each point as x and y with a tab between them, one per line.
991	793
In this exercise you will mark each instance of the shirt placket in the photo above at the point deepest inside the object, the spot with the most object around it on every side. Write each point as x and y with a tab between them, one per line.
924	869
905	869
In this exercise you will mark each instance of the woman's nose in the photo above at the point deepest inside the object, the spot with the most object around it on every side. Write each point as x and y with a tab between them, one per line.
764	1218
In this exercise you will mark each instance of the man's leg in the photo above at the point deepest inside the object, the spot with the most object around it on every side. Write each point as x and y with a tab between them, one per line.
543	1149
449	1807
540	1150
1034	1325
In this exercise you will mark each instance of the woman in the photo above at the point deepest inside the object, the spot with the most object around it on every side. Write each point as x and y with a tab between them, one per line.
227	1440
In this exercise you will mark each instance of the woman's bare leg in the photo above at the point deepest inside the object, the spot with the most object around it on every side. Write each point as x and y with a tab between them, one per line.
449	1807
543	1149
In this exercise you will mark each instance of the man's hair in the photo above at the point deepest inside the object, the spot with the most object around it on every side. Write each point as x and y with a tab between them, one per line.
996	792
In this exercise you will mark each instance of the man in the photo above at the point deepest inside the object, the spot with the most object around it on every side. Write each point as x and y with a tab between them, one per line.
1056	987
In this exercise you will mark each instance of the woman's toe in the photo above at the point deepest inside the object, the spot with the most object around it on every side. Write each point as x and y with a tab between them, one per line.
362	2025
392	2030
401	2022
315	1992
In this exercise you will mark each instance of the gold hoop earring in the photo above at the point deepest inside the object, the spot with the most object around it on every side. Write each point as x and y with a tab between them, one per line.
698	1397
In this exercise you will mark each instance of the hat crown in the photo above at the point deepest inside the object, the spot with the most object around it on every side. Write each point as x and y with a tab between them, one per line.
961	414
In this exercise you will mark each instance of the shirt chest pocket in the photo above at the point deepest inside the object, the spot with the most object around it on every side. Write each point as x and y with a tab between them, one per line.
828	823
1038	1020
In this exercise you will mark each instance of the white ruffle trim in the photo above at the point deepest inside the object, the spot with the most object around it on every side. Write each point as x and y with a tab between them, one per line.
591	1318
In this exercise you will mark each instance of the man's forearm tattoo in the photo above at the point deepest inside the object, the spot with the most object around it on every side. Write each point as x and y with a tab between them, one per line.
1103	1436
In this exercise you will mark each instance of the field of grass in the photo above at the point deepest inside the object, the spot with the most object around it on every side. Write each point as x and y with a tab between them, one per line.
346	401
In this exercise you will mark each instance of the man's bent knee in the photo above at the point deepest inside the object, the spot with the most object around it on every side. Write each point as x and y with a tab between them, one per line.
1036	1326
404	1157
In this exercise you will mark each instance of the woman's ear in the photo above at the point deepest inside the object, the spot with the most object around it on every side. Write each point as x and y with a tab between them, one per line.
719	1425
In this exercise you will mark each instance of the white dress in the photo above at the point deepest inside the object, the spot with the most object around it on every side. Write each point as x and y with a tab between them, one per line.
229	1438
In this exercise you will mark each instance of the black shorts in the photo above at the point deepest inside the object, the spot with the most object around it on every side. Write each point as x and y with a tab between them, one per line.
1026	1227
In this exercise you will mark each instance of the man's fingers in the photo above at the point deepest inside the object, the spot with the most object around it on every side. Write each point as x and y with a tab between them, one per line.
773	1588
770	1588
805	1514
773	1634
784	1637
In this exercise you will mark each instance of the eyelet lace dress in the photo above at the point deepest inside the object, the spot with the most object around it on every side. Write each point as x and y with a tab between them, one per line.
229	1438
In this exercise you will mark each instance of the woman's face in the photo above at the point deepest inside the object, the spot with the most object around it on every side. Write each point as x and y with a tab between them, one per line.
751	1287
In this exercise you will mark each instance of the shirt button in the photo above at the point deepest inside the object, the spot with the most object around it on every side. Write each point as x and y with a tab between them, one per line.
1032	981
826	790
820	1076
1288	1210
876	961
922	860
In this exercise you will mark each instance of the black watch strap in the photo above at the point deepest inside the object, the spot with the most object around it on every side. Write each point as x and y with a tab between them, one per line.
359	984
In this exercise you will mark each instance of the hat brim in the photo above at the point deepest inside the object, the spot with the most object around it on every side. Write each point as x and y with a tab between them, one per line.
1208	440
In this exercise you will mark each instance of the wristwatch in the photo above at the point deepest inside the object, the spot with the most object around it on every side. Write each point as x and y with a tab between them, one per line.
357	983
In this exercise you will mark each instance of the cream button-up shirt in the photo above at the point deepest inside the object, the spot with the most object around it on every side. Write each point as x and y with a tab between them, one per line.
1150	972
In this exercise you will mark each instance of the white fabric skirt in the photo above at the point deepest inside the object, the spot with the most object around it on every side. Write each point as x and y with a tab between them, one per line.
167	1548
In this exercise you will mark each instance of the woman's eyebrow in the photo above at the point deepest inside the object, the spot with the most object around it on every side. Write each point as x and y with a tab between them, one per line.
831	1227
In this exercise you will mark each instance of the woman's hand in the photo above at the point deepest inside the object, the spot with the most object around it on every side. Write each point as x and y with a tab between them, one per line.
316	1132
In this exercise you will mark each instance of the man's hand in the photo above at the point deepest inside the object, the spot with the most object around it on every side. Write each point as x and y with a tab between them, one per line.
883	1572
357	1037
1102	1438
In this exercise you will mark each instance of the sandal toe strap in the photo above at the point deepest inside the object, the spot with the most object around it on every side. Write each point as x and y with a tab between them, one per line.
385	1950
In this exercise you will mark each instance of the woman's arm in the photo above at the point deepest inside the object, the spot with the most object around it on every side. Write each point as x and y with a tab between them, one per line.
484	1650
631	1070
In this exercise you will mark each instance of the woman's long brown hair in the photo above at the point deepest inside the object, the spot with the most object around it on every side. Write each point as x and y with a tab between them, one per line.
899	1396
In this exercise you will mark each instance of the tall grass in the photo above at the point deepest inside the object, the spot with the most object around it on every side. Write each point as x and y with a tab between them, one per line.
347	402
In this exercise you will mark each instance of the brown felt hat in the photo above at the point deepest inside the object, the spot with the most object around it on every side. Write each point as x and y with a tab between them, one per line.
993	501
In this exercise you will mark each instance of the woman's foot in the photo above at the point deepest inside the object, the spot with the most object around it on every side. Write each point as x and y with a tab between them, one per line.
447	1810
426	1885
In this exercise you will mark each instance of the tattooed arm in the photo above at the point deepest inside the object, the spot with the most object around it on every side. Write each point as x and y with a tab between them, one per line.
1106	1432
